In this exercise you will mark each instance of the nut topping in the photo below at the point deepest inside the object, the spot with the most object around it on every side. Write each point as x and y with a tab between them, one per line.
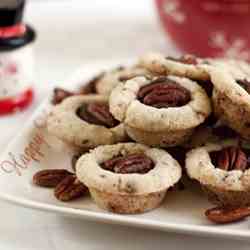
222	215
134	163
230	158
50	177
97	113
164	93
244	84
60	94
70	188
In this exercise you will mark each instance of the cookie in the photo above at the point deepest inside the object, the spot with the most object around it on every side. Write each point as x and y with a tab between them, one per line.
223	172
161	111
111	79
85	122
231	100
128	178
187	66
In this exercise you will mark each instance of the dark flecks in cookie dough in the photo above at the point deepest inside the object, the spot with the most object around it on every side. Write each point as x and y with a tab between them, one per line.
130	188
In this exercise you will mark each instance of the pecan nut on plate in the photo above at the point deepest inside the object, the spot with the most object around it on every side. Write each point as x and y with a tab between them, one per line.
223	171
224	215
85	122
160	111
66	186
128	178
50	177
70	188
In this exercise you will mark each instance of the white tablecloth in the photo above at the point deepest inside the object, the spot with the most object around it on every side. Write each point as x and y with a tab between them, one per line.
72	33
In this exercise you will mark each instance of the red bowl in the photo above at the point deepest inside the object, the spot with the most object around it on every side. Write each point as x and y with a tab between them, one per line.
208	28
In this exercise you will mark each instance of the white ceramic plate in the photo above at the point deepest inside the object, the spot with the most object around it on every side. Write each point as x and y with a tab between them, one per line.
33	149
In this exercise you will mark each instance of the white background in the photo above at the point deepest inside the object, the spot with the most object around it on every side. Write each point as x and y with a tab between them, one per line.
72	33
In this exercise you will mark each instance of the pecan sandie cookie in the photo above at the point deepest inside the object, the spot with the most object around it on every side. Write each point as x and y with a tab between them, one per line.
85	122
231	100
186	66
223	171
161	111
111	79
128	178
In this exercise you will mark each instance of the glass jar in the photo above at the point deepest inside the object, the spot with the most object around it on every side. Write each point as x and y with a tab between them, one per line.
16	58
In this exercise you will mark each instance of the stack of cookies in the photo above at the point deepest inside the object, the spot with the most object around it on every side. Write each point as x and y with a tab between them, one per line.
128	122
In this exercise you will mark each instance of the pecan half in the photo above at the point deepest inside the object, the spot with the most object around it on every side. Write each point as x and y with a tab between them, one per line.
231	158
97	113
60	94
70	188
164	93
244	83
222	215
186	59
50	177
134	163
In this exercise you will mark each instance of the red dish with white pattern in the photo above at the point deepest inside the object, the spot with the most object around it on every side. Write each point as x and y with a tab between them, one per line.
208	28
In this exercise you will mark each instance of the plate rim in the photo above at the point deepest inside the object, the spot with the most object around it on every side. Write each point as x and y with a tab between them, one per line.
128	220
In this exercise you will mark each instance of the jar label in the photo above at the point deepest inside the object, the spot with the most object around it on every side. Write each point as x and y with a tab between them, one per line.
16	71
